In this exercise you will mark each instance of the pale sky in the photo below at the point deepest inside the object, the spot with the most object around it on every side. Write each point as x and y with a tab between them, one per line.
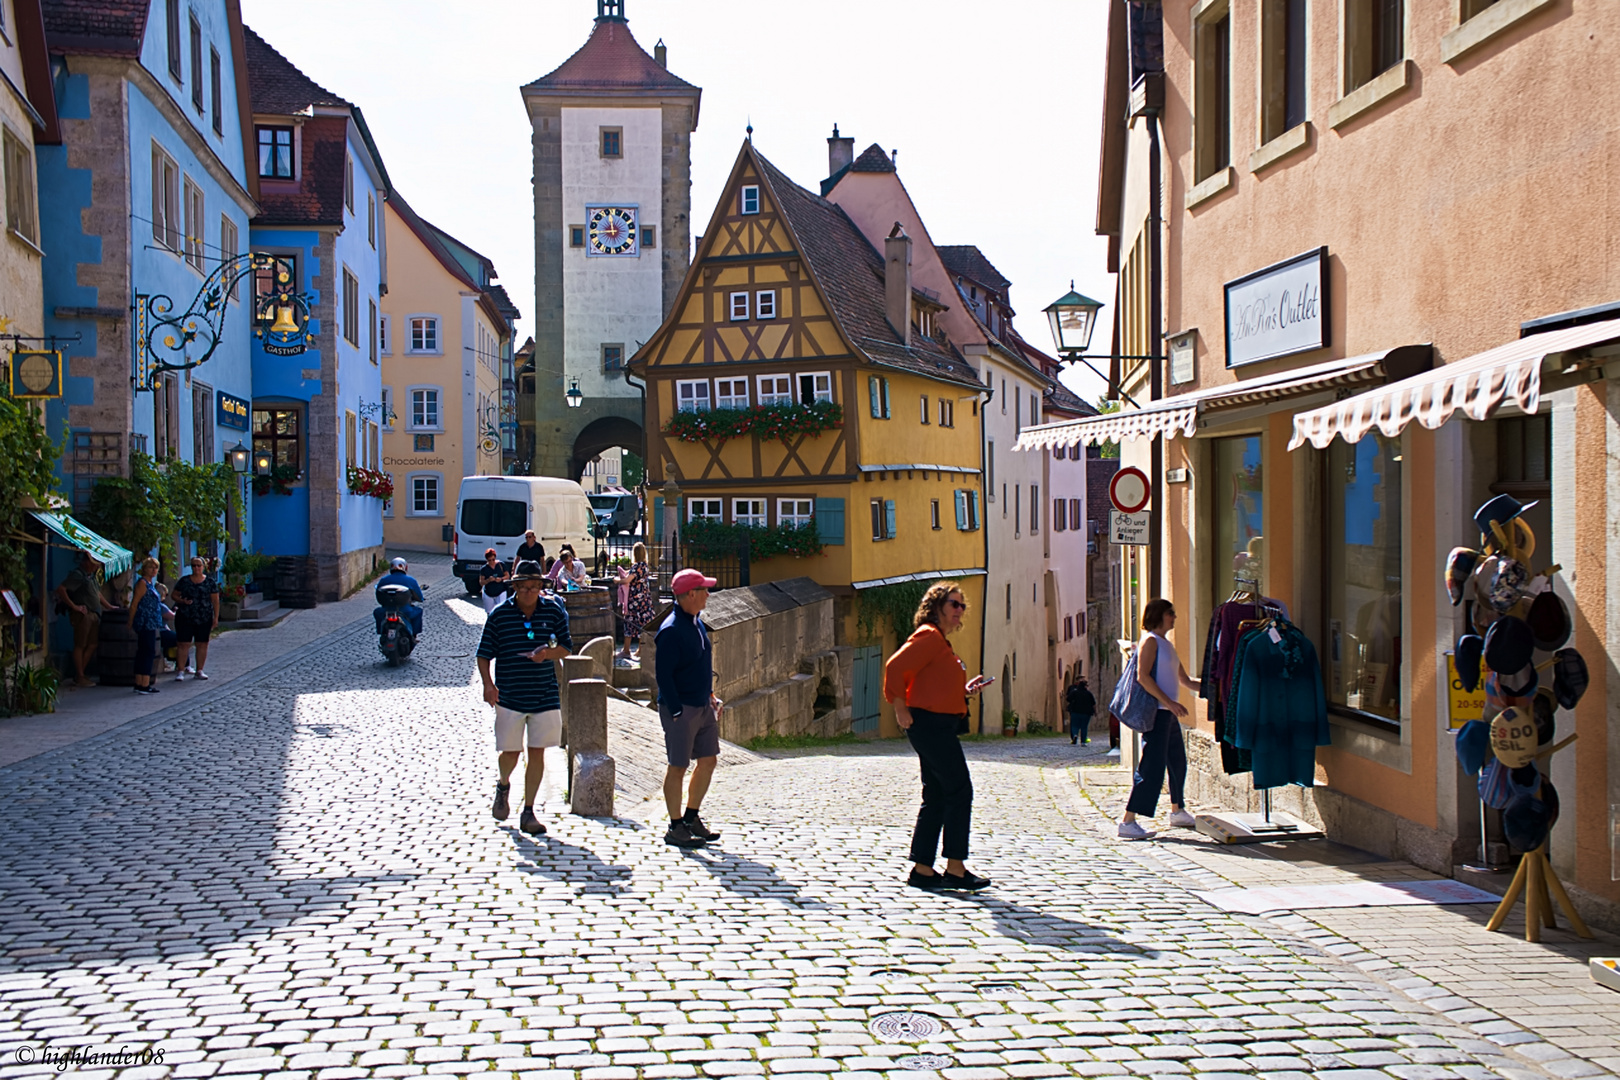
994	107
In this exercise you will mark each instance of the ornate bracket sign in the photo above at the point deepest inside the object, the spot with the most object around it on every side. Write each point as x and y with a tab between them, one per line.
36	373
490	443
167	341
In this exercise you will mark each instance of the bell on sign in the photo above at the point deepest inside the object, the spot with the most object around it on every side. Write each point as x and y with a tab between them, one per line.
1514	737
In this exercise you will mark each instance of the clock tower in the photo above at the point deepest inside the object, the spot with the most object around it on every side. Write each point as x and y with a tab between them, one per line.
612	209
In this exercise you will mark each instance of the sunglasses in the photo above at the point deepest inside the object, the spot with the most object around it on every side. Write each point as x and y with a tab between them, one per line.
957	604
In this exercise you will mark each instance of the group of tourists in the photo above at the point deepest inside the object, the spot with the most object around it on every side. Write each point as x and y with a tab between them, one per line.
162	617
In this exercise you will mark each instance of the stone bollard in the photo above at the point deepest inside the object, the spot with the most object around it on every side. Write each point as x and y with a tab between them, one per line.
591	770
570	668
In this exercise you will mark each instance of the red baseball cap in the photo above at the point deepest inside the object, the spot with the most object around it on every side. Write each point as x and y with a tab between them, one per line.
687	580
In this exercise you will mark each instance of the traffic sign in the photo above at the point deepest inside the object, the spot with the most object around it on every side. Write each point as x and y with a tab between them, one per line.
1129	490
1130	529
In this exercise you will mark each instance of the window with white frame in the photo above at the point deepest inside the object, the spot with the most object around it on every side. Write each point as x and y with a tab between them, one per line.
227	249
731	393
384	339
707	509
424	334
165	199
794	512
22	215
739	306
748	512
388	408
750	199
815	386
878	390
765	304
883	523
775	390
692	395
424	495
351	307
925	408
425	409
194	225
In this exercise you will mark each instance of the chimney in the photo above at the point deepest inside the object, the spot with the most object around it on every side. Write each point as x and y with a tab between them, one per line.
897	281
840	152
661	54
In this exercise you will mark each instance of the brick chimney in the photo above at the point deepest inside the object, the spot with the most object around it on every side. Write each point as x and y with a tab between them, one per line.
897	281
840	152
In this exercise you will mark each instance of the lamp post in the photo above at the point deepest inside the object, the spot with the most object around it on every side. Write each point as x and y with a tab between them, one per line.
239	457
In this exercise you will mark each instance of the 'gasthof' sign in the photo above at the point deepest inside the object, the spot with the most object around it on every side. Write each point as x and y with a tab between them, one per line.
1278	311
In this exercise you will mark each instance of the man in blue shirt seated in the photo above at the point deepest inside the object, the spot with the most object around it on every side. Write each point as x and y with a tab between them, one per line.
412	612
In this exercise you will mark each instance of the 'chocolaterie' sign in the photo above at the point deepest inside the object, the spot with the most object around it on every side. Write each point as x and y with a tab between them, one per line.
1278	311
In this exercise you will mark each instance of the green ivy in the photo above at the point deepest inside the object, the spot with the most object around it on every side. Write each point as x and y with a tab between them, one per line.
715	539
160	501
780	422
30	473
890	607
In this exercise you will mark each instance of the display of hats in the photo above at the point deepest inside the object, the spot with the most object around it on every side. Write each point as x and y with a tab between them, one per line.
1466	657
1460	566
1548	620
1508	645
1495	786
1500	509
1517	686
1569	677
1513	737
1497	698
1473	745
1542	708
1508	582
1526	821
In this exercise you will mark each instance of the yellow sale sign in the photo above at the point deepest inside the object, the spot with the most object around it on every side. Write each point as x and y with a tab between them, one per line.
1465	705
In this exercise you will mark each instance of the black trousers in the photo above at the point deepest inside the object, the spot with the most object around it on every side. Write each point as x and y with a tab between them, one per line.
1080	725
1162	750
947	789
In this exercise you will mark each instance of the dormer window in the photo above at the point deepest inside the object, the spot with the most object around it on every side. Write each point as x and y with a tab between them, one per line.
276	152
750	199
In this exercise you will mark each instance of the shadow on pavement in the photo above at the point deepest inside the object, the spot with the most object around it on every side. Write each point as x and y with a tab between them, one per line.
1037	927
550	857
745	877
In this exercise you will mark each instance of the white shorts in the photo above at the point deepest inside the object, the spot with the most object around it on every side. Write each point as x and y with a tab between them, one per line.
516	730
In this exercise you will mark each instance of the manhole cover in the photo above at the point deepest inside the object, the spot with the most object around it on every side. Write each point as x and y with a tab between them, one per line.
923	1062
997	989
904	1027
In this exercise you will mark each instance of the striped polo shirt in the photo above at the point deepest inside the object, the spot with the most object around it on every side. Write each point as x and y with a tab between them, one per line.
525	685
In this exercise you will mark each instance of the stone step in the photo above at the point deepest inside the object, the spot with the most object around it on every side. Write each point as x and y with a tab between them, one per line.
259	616
626	677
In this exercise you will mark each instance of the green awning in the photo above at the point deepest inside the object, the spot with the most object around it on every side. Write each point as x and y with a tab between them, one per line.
111	556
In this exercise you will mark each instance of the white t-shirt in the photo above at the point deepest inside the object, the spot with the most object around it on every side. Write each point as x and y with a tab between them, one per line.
1166	666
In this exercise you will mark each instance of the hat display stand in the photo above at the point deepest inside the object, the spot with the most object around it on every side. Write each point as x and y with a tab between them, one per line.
1535	880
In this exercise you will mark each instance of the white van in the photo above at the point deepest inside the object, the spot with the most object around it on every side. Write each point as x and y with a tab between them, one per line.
494	512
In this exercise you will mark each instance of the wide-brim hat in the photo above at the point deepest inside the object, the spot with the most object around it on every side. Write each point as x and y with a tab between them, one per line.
1466	657
1473	746
1526	821
1459	568
1508	644
1500	509
1548	620
528	570
1570	678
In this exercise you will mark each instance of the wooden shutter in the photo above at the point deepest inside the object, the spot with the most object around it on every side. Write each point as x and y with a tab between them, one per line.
888	518
830	520
872	390
961	509
973	505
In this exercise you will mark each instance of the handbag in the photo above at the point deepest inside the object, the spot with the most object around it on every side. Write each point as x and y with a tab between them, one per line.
1133	706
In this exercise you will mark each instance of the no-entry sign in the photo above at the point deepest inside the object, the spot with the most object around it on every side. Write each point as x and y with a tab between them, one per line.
1129	490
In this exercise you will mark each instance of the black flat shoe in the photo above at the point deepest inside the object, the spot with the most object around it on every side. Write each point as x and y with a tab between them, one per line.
969	882
696	827
931	882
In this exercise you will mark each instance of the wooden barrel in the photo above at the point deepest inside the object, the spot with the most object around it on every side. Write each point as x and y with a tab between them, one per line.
115	658
590	614
295	581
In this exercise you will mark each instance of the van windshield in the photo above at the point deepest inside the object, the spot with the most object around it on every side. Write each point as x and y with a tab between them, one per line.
493	517
605	502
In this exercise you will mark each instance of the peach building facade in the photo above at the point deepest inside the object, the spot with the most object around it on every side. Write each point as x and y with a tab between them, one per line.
1356	195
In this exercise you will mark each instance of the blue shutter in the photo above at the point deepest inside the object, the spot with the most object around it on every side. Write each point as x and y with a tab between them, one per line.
973	498
961	509
885	399
658	516
888	518
872	391
830	520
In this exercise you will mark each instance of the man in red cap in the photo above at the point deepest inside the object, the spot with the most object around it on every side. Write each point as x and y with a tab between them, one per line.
687	706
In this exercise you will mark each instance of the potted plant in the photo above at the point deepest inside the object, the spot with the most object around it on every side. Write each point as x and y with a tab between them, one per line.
1009	722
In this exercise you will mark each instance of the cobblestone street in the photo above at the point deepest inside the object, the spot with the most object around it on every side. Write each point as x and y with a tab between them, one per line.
297	874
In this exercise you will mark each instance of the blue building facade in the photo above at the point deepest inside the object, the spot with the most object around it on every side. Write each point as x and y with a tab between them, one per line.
317	417
149	192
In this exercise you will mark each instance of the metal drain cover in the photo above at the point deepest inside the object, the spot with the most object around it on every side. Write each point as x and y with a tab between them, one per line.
891	973
904	1027
998	989
923	1062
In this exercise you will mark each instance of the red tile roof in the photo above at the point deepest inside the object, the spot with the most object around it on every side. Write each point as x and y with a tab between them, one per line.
100	27
873	159
966	260
610	59
316	197
277	86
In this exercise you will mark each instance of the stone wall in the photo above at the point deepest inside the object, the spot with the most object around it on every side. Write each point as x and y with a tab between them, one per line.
776	665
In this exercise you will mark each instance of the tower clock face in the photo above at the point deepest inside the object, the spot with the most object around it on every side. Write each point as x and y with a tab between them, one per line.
612	230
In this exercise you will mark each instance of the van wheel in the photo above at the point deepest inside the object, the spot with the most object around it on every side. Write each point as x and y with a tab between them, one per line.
471	585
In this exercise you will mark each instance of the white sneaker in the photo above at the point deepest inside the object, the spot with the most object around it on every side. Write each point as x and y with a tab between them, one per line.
203	675
1132	830
1183	820
1113	752
189	669
181	677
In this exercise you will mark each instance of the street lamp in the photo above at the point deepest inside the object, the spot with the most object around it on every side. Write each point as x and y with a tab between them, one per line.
239	457
574	397
1073	317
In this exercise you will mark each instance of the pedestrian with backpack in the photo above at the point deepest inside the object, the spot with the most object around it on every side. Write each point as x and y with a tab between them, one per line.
1082	706
1159	675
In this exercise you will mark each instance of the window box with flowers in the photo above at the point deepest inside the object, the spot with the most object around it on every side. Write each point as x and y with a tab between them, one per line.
712	539
278	481
779	422
379	485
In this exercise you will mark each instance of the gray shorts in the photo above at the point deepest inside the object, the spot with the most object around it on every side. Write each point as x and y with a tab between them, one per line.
693	734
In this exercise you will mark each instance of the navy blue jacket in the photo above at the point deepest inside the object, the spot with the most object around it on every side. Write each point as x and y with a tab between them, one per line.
685	661
394	577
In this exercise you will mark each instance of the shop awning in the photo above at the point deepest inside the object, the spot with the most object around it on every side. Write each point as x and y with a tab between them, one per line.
114	558
1476	387
1183	414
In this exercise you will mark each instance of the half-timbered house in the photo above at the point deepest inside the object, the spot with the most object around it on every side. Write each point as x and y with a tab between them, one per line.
788	304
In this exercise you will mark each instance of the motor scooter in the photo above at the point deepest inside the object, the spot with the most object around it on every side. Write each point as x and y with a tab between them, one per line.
395	641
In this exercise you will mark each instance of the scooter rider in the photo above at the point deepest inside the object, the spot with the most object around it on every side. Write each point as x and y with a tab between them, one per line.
412	612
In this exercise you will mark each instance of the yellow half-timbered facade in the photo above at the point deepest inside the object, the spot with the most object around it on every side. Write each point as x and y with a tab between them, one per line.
787	303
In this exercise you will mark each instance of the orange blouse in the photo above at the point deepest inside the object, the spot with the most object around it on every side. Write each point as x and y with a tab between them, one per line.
927	673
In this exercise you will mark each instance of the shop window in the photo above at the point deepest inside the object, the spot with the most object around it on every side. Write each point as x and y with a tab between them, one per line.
276	432
1374	39
1282	67
1362	578
1212	91
1239	516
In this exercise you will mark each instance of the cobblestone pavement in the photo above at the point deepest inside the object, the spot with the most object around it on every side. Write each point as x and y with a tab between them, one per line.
301	879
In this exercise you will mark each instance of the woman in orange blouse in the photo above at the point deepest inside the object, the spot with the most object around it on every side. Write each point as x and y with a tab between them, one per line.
928	686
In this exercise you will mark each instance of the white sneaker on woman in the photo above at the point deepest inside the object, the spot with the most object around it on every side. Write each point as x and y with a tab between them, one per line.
1183	820
1132	830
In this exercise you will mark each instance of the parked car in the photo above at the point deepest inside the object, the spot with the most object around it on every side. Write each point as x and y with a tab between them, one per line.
615	511
495	511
